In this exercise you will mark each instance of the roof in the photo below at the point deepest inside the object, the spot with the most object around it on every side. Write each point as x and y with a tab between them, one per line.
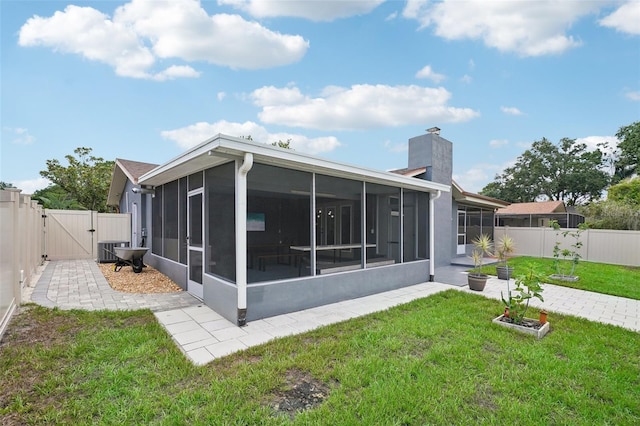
542	207
124	170
410	172
470	198
221	149
458	193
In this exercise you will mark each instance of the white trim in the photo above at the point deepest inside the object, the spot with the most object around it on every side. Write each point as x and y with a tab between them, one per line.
222	148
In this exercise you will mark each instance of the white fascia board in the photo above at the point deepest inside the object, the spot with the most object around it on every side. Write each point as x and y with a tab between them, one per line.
230	147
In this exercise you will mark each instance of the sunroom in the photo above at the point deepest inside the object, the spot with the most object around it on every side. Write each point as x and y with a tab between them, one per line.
255	230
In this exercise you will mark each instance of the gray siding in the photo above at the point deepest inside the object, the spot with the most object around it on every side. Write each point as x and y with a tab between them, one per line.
266	300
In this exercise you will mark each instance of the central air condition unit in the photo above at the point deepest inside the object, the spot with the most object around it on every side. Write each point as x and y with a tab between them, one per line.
105	250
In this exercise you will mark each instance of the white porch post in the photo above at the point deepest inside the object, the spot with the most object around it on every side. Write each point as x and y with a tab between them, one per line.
432	237
241	237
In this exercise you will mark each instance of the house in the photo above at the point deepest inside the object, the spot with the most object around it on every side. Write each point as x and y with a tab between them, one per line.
255	230
462	216
126	198
538	214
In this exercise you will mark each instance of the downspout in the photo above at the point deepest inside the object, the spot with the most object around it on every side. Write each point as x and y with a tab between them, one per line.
432	237
241	237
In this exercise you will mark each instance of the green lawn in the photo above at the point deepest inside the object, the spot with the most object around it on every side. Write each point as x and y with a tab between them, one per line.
437	360
603	278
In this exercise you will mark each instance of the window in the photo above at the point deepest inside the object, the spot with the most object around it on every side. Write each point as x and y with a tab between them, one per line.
338	224
383	224
279	245
220	225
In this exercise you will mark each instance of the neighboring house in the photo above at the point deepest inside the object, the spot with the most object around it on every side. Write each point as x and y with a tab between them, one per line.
538	214
124	194
462	215
255	230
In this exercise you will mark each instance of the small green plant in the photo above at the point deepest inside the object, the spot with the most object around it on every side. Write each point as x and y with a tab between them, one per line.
482	246
566	259
528	286
504	248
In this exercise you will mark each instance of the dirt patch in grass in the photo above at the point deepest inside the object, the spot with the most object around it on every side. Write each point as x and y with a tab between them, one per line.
150	280
302	392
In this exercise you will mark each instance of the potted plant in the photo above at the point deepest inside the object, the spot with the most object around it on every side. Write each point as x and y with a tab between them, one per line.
516	303
482	246
504	248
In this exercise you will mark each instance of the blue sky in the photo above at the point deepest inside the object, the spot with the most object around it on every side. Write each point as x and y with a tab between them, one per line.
350	81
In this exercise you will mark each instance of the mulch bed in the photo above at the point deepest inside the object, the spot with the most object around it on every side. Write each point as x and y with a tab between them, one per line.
150	280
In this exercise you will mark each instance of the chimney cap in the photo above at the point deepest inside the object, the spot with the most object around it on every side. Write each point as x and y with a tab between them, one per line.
435	130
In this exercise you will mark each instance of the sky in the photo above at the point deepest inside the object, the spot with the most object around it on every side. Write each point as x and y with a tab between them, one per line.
348	81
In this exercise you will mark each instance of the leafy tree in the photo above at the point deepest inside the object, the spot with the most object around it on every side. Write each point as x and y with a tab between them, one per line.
5	185
627	157
627	191
621	210
611	214
86	178
565	172
54	197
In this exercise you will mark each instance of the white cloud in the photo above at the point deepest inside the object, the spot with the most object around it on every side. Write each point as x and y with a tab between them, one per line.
19	135
472	64
498	143
141	32
358	107
311	10
466	79
625	19
427	72
192	135
392	16
30	186
592	143
476	177
634	96
221	96
527	28
510	110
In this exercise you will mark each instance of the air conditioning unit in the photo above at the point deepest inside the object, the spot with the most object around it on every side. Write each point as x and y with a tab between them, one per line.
105	250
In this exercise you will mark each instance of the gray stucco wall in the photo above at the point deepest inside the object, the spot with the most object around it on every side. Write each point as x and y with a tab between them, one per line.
127	200
265	300
436	153
222	297
174	270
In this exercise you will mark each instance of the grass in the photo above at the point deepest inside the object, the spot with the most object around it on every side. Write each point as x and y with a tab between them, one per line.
616	280
437	360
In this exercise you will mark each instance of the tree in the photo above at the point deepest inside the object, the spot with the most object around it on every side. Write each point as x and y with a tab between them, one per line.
627	158
627	191
6	185
54	197
86	178
564	172
621	209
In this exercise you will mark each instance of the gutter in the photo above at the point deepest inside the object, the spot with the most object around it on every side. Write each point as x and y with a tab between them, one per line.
432	238
241	237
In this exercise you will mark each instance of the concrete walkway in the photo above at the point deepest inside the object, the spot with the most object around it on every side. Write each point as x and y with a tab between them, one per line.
203	335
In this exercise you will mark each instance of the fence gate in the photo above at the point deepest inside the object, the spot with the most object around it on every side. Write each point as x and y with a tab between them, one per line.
69	234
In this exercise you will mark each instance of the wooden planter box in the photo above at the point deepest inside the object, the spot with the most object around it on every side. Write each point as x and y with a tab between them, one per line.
538	332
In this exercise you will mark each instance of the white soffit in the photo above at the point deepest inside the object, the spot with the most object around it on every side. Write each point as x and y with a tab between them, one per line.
221	149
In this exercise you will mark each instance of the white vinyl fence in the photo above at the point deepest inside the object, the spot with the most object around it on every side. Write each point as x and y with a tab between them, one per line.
21	227
598	245
29	235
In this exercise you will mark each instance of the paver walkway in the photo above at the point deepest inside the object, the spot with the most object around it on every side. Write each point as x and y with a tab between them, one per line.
203	335
585	304
79	284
